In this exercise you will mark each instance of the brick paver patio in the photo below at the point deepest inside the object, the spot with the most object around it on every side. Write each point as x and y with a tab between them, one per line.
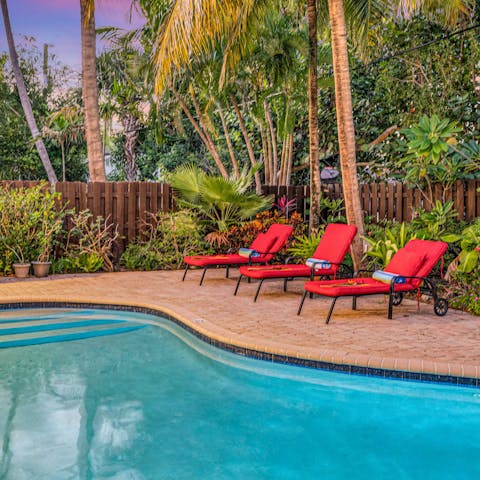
415	340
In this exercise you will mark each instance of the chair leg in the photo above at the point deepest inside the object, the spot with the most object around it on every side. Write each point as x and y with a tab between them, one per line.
354	303
203	276
238	284
332	306
285	284
185	273
299	311
390	306
258	289
227	271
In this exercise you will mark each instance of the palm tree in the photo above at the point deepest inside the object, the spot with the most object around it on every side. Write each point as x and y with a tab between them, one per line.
193	27
22	92
361	14
96	162
315	184
222	201
346	130
63	127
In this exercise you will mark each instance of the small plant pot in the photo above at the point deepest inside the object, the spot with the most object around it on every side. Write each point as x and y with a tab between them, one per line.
41	269
21	269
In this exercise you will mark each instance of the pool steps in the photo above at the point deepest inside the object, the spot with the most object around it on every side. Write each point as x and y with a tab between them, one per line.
62	327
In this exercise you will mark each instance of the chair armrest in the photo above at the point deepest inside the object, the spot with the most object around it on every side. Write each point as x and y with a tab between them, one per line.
362	270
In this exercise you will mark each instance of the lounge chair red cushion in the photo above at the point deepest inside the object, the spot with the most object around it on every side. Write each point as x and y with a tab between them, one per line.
273	239
333	247
226	259
263	243
432	251
281	271
405	262
335	243
425	254
353	287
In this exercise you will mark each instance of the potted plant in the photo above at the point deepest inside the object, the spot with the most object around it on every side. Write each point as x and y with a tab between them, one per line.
21	267
48	229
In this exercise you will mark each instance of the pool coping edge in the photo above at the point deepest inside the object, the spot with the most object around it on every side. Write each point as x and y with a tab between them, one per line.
257	353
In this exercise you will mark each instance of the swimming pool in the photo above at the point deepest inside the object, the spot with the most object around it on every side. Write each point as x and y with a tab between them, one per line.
157	403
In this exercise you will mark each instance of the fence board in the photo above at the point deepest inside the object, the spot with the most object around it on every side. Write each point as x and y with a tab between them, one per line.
471	200
459	199
390	202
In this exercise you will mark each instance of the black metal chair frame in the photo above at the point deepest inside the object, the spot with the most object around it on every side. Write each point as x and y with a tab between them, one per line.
427	287
289	279
228	265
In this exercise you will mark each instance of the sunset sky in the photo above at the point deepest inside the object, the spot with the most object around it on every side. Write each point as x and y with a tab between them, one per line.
57	22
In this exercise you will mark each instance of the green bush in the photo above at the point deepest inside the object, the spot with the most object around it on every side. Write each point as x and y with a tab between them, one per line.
88	245
170	237
386	243
30	225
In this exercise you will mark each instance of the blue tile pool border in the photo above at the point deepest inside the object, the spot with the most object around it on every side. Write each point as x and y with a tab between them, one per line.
258	354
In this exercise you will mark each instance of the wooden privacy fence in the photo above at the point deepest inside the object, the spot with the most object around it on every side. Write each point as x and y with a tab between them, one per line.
391	201
126	204
129	204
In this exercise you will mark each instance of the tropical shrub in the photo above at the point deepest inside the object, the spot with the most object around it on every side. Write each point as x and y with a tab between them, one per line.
386	243
88	244
169	237
219	202
30	223
433	224
468	259
463	291
304	245
243	234
431	155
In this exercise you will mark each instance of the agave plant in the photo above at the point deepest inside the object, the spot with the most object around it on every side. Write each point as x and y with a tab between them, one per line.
221	202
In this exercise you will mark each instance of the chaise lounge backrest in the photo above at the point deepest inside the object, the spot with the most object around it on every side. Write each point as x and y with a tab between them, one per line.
273	240
335	243
432	252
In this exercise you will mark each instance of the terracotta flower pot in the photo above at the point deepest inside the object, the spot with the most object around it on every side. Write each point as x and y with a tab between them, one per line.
21	269
41	269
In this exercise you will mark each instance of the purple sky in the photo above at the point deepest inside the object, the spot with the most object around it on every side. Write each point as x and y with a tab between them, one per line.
57	22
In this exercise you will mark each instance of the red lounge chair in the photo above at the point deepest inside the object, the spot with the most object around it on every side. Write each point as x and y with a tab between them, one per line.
332	248
266	244
413	264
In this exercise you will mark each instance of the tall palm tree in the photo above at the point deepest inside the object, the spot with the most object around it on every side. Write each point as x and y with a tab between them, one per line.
346	130
64	127
192	27
361	13
96	162
313	114
22	92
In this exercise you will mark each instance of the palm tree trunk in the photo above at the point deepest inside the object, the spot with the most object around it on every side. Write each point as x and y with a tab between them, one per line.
251	154
273	141
266	161
131	128
202	133
25	101
289	158
64	176
313	115
228	140
346	131
96	162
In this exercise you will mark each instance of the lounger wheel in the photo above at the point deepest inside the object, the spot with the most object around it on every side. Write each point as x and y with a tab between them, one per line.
440	307
397	298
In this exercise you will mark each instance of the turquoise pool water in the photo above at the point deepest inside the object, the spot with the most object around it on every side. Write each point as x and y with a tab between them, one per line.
156	403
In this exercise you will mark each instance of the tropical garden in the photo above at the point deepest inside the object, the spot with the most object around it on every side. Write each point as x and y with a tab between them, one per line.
221	98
